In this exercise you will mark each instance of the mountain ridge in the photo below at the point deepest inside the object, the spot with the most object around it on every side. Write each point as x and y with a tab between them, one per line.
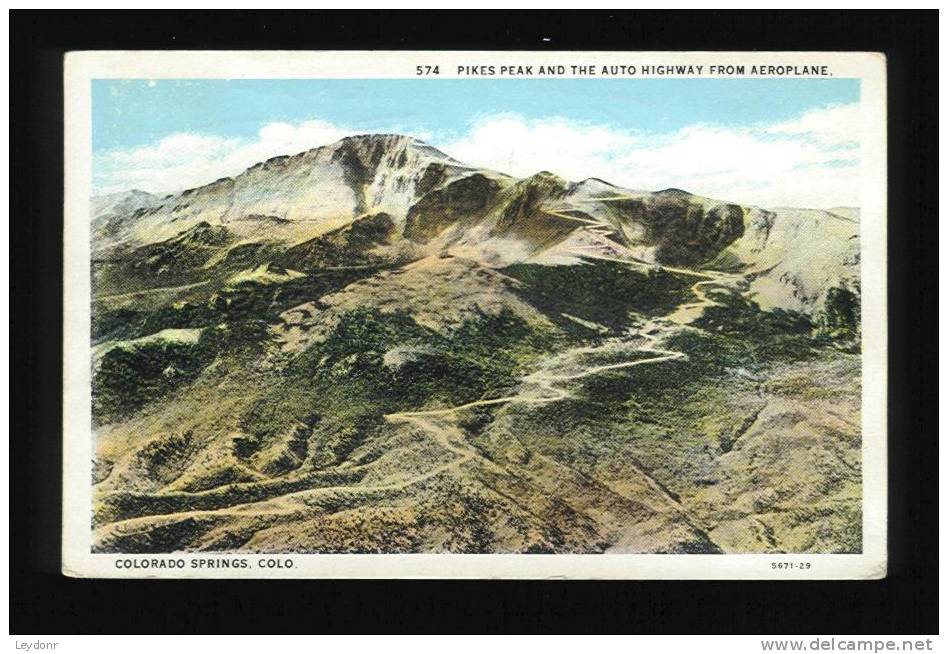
371	347
437	203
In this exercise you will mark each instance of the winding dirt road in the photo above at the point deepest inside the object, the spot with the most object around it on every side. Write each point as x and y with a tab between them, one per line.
540	387
147	291
543	387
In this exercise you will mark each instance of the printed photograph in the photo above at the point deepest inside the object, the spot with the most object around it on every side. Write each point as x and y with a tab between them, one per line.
478	316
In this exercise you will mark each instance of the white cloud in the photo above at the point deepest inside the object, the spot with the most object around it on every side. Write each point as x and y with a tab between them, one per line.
810	161
512	145
186	160
835	125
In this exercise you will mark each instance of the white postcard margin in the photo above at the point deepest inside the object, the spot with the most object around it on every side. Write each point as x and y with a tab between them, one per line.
79	560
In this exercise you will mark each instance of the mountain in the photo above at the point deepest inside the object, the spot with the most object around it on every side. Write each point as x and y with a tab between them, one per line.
290	197
372	347
795	258
111	212
122	203
436	203
431	198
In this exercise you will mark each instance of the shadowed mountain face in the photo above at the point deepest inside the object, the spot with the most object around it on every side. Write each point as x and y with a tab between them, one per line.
290	197
370	346
430	198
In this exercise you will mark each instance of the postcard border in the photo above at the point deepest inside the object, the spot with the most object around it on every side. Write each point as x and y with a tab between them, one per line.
81	68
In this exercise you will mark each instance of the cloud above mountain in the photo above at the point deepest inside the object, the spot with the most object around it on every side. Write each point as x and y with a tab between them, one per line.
811	161
185	160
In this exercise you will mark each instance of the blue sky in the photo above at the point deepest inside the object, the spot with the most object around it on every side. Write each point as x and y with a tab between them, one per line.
128	113
165	135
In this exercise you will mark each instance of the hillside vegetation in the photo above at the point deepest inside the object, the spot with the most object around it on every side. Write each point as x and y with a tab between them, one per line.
372	347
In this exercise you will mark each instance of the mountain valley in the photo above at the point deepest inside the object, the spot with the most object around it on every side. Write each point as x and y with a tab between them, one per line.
373	347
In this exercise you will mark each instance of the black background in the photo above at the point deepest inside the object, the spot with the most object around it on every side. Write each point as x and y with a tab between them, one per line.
43	602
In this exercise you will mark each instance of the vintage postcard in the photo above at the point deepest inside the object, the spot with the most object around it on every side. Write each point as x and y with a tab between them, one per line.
475	315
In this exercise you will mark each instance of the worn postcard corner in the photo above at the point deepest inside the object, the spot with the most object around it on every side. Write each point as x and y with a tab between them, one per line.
602	315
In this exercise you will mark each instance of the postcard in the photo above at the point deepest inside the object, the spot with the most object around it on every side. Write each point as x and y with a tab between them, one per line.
499	315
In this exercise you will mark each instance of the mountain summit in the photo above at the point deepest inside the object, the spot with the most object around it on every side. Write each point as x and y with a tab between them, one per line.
431	197
373	347
298	195
437	203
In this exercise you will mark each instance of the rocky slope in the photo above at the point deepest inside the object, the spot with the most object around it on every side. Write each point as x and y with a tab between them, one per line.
435	203
371	347
795	257
289	197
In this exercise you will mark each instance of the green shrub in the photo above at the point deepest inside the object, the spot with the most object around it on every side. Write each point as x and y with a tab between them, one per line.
840	317
128	377
603	292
